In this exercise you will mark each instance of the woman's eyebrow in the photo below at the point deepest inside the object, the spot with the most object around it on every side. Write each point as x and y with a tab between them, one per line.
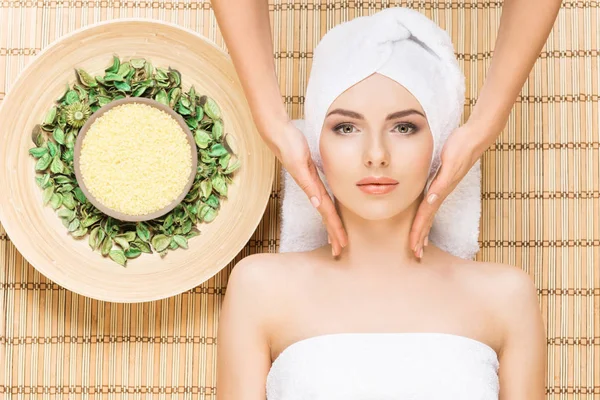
355	115
346	113
404	113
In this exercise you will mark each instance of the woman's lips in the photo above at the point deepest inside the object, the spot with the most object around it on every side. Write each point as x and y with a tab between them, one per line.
377	184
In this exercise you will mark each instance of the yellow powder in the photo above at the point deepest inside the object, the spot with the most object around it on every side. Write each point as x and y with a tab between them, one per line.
135	159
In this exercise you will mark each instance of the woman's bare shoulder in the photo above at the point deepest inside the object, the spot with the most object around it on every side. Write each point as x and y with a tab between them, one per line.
502	280
266	274
508	289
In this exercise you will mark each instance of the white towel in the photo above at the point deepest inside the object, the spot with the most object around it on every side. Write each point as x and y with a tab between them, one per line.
412	50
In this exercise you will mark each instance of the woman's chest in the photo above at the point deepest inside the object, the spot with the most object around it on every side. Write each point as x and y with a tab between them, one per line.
394	308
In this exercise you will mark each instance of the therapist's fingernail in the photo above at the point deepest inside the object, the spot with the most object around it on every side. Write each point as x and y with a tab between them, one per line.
432	198
421	253
315	202
328	239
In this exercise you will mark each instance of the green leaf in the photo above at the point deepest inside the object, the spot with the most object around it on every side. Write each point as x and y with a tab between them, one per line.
52	149
162	97
199	113
206	188
202	138
160	242
103	100
79	233
74	225
93	239
137	62
66	213
69	201
50	116
175	77
224	161
38	152
47	194
101	236
183	111
79	195
56	201
181	241
70	140
124	86
149	68
132	252
121	241
91	220
124	70
144	247
115	65
211	108
168	221
110	77
129	236
213	201
61	179
192	123
118	256
43	163
143	232
217	130
86	79
186	227
71	97
210	215
219	185
232	167
59	135
107	244
174	96
57	166
139	91
217	150
43	180
37	135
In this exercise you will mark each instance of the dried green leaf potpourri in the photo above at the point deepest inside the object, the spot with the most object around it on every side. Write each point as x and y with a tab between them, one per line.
55	138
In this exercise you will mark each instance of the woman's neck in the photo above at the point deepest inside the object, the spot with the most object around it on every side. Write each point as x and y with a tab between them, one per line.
378	243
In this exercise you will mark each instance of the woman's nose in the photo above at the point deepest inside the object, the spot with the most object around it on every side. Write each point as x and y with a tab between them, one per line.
376	154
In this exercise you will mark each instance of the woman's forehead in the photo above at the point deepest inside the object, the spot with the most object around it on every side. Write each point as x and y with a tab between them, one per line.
377	94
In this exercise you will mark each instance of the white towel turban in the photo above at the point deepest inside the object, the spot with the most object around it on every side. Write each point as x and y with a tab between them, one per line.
407	47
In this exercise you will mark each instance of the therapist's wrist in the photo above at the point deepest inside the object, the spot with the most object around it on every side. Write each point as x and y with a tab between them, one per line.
485	131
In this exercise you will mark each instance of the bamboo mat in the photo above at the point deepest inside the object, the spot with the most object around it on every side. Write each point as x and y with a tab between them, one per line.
541	207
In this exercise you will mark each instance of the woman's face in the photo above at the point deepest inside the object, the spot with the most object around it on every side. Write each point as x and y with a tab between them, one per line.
376	148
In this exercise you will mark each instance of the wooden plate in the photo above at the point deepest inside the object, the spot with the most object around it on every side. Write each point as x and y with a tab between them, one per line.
38	233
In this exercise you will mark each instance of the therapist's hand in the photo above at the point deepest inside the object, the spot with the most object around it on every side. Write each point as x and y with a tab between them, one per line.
291	148
459	154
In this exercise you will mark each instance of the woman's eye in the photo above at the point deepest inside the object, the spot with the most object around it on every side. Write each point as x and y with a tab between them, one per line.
345	129
405	128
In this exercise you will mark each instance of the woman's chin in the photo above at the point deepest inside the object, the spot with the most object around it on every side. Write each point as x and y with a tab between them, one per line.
378	211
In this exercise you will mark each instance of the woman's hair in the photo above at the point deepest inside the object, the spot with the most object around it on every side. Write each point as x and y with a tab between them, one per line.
407	47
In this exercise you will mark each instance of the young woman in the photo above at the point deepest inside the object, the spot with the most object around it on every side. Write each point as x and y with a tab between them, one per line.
377	323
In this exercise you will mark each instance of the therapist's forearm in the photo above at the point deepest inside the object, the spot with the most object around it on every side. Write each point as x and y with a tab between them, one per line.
246	28
524	28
